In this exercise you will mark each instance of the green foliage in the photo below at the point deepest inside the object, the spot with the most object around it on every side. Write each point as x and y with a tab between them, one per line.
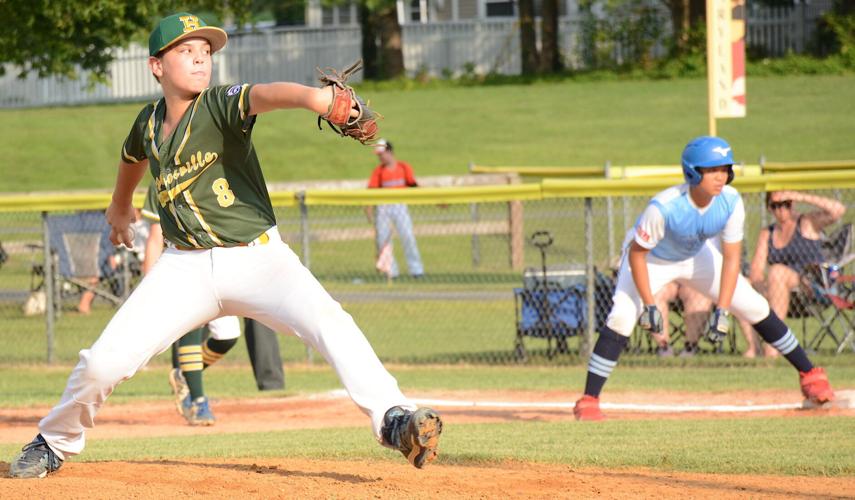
62	37
843	27
623	36
284	12
794	64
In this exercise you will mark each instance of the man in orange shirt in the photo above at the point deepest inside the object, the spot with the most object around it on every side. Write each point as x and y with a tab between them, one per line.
394	174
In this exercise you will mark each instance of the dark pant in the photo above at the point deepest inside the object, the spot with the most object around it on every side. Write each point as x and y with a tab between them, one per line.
263	347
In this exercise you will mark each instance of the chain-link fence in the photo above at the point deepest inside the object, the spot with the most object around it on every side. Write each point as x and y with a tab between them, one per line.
495	281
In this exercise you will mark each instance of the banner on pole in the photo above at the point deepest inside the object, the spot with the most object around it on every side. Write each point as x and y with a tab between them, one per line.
726	28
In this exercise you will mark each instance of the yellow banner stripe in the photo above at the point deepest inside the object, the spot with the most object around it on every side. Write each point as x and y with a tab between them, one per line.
540	171
424	196
547	188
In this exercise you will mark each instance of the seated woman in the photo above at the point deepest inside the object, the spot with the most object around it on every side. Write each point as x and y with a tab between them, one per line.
788	245
696	311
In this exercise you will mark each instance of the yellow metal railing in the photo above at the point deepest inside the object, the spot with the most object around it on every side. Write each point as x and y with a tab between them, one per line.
546	188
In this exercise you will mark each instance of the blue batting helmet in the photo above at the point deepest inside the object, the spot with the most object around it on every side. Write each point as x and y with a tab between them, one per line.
706	152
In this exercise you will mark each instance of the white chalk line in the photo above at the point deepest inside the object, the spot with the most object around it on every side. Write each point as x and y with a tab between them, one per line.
650	408
637	407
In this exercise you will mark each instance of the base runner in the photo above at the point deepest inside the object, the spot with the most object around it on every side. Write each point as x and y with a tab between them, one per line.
673	242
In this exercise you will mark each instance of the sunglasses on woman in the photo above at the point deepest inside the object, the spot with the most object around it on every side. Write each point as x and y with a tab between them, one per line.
779	204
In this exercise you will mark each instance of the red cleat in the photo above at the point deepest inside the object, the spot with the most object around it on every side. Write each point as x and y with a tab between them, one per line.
588	408
815	386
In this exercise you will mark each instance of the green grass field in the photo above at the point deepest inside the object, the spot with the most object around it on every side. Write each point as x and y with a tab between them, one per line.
27	385
440	130
727	446
767	445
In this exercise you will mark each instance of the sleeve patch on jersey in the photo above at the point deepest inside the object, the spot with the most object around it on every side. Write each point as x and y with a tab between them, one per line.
233	90
642	234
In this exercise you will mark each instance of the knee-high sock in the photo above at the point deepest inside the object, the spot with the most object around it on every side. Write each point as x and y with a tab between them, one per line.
603	360
190	361
213	350
775	332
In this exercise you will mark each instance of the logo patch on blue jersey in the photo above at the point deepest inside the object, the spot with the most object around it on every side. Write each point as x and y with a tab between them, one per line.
233	90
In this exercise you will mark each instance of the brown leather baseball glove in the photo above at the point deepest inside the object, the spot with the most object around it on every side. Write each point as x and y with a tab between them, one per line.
363	126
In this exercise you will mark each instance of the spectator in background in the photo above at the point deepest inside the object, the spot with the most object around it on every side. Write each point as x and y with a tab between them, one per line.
788	245
393	174
112	260
696	311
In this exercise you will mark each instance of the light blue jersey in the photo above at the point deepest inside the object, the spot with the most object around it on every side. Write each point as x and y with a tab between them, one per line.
673	228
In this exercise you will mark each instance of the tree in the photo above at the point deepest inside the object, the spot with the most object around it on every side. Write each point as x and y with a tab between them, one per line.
285	12
686	15
528	38
54	37
550	53
370	53
391	46
382	48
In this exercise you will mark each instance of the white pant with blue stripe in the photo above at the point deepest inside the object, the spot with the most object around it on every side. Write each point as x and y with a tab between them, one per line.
399	216
701	272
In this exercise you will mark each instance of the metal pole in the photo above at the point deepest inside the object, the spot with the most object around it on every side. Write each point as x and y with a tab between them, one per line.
588	338
611	228
476	241
49	286
304	249
626	216
126	273
304	229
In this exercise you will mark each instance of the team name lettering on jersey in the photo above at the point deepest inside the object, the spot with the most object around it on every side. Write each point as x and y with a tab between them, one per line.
177	179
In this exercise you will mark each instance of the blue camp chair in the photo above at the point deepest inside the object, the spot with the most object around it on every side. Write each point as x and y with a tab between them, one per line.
552	313
81	249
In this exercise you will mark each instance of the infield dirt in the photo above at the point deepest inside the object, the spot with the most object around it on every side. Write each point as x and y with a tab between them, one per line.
309	478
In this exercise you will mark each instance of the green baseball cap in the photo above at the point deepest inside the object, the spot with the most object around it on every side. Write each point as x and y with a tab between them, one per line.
172	29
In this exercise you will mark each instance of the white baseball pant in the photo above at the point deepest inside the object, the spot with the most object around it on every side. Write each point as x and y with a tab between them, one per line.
701	272
185	289
399	216
225	328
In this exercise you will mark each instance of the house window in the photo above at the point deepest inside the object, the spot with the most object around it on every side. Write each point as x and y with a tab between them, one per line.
417	15
327	16
344	14
500	8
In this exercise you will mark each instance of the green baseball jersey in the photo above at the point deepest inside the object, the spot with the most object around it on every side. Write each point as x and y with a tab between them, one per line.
149	209
210	191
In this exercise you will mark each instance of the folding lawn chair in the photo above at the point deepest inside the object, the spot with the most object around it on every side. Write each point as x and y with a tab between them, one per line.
831	293
81	250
